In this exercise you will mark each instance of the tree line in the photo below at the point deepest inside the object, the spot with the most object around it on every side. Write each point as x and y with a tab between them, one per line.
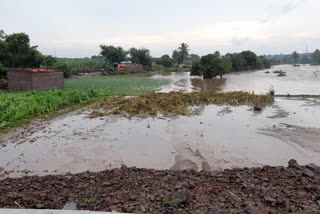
295	58
113	55
215	64
16	51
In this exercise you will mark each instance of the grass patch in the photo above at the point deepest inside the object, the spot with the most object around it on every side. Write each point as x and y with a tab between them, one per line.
174	103
118	85
17	108
91	200
167	202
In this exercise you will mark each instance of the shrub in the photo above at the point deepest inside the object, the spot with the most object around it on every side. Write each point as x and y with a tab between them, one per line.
3	71
67	70
3	83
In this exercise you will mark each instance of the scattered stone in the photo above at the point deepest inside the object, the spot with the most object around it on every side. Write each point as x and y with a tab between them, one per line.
257	108
308	173
294	164
40	206
313	167
179	198
14	195
293	189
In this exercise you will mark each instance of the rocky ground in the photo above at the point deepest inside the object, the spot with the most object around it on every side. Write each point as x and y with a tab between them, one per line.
292	189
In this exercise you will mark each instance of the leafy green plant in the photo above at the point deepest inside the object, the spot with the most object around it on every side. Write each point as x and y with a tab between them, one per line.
91	200
167	202
19	107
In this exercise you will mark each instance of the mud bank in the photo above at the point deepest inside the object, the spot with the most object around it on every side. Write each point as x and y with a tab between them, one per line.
293	189
219	137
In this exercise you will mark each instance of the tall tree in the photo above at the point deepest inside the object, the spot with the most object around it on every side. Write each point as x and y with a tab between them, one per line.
217	53
113	54
184	51
194	58
211	66
166	61
176	56
49	61
295	56
140	56
316	56
238	61
15	51
2	34
251	59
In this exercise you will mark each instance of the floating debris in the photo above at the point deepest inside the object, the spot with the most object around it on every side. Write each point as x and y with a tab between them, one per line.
174	103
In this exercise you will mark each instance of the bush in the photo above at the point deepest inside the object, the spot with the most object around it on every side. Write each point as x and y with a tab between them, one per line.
67	70
3	84
3	71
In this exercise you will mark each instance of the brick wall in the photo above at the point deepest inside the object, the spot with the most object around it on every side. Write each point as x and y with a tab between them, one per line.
45	81
134	67
30	79
19	80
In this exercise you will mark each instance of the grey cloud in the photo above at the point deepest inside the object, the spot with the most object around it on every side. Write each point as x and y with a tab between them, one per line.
240	41
292	5
285	9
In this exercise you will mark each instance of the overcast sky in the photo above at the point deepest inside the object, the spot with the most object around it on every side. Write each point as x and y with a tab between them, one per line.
76	28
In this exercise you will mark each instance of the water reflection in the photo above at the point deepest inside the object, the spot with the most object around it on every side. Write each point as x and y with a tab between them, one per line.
208	85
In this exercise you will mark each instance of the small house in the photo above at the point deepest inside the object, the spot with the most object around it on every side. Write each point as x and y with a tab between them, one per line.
25	79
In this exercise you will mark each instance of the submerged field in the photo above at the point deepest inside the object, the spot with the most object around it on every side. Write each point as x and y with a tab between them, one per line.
227	130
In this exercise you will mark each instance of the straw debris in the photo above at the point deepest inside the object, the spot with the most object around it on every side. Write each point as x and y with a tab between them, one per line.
174	103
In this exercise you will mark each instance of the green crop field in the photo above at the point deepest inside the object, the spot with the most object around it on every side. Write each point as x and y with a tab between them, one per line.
127	86
18	108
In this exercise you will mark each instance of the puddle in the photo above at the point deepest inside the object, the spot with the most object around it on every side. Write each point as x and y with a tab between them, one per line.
219	137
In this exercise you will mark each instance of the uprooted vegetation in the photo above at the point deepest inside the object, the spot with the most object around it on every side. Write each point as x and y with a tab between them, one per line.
174	103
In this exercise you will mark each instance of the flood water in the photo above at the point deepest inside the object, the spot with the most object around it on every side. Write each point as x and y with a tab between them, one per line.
298	80
219	137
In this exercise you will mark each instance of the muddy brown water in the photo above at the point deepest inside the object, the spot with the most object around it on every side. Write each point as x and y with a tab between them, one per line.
219	137
298	80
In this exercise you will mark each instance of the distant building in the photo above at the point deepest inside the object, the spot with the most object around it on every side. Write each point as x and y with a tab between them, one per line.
35	79
128	67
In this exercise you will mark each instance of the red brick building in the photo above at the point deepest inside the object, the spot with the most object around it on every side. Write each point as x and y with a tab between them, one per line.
35	79
129	67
